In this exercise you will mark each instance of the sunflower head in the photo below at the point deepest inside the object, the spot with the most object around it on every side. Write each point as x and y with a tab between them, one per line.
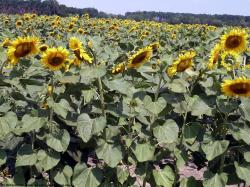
43	47
237	87
230	60
184	61
234	41
82	55
155	46
74	43
214	57
55	58
19	23
22	47
119	68
141	57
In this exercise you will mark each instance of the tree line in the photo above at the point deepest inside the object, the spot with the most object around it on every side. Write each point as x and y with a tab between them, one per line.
52	7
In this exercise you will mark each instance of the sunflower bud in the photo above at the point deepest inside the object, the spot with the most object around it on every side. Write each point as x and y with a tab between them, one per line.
50	90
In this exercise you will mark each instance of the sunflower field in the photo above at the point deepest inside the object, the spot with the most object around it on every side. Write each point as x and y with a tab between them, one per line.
90	102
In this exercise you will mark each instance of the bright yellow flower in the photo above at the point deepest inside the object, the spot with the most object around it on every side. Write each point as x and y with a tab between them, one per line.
141	57
214	57
183	62
230	60
75	43
119	68
234	41
22	47
55	58
238	87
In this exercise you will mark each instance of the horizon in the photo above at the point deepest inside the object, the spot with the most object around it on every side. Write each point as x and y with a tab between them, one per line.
210	7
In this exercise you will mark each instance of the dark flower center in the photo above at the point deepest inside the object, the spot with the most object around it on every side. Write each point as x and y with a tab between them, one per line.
240	88
56	61
233	41
23	49
139	58
183	65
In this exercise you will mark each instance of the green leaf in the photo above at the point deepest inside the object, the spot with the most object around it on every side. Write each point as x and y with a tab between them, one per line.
218	180
243	172
47	160
198	107
87	127
178	86
164	177
87	177
88	95
154	107
247	156
119	85
242	133
122	174
191	132
245	108
91	73
69	79
110	153
29	124
143	152
26	156
214	149
62	108
190	182
167	133
36	182
64	177
3	157
58	140
8	123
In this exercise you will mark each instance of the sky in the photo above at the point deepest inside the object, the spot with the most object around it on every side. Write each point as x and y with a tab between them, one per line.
233	7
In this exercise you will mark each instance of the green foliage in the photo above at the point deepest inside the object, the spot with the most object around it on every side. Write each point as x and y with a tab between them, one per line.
89	126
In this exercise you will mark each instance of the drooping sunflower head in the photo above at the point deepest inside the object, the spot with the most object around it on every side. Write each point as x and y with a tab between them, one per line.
184	61
237	87
119	68
214	57
81	55
141	57
55	58
230	60
155	46
74	43
22	47
234	41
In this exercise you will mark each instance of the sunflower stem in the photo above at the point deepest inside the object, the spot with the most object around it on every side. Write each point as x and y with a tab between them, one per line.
2	66
101	96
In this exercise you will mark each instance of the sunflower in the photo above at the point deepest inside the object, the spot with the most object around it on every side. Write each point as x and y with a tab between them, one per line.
19	23
55	58
234	41
183	62
214	56
22	47
74	43
155	46
6	42
82	55
43	47
119	68
230	60
237	87
141	57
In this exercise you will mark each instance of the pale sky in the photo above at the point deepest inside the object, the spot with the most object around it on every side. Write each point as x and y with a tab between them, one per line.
233	7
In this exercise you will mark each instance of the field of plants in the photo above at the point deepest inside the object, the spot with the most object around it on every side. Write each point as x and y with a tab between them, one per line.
91	102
